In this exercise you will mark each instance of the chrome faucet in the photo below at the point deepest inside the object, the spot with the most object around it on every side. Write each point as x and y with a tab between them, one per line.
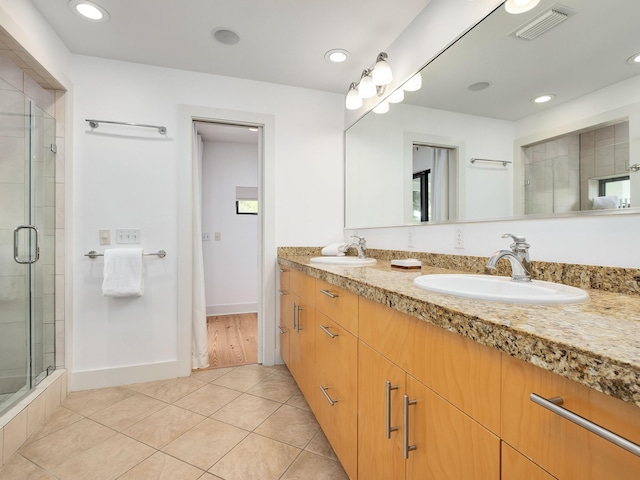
518	256
361	246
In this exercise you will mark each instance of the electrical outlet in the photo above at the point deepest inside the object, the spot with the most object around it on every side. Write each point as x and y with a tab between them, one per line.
127	235
458	241
217	236
410	236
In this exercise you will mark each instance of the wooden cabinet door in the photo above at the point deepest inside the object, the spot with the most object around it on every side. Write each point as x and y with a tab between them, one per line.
562	448
302	345
379	457
516	466
448	443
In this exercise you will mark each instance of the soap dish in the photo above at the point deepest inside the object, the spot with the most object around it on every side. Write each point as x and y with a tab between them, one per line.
406	264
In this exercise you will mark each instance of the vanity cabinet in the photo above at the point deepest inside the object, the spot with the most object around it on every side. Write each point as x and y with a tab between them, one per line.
406	428
302	340
560	447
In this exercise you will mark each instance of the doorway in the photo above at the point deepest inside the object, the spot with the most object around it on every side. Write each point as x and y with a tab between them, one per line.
230	240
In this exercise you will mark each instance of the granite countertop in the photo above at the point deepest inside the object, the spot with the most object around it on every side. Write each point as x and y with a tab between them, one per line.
596	344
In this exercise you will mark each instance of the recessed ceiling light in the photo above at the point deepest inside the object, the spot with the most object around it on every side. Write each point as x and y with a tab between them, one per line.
634	59
476	87
543	98
225	36
520	6
337	55
89	10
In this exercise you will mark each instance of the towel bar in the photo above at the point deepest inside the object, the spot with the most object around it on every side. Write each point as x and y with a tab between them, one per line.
503	162
93	254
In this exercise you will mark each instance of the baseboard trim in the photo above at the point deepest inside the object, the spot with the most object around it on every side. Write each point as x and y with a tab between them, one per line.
114	377
232	308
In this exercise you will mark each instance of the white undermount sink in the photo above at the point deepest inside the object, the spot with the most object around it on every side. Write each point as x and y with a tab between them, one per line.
501	289
345	260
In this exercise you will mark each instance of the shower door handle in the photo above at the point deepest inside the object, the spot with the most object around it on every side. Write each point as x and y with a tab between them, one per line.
16	253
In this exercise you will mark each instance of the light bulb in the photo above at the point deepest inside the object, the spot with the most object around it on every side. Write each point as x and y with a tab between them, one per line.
353	100
396	97
366	89
414	83
382	107
381	73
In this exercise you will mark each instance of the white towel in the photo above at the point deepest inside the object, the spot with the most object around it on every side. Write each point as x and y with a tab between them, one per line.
123	273
334	250
609	201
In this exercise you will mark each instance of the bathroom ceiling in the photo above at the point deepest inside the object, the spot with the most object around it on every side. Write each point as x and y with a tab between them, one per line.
281	41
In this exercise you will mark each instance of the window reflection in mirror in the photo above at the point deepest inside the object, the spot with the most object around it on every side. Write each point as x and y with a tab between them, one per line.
434	183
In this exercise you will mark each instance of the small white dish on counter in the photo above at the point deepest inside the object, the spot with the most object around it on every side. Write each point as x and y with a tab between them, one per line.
345	260
502	289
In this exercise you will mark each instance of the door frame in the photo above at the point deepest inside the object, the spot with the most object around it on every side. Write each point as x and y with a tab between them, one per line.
267	255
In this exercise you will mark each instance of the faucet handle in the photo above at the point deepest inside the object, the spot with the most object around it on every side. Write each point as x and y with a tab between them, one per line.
360	239
516	238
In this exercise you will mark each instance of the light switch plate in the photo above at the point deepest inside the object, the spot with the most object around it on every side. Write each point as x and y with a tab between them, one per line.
127	235
105	236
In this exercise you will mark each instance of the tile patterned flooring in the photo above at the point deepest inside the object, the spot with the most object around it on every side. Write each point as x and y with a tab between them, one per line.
237	423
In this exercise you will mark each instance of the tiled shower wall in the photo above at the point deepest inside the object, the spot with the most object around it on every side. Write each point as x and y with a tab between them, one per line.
552	176
603	153
559	174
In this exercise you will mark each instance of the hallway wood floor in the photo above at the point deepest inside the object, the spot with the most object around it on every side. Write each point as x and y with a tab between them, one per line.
233	339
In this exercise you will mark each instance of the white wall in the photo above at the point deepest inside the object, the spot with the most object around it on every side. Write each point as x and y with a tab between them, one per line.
129	178
231	263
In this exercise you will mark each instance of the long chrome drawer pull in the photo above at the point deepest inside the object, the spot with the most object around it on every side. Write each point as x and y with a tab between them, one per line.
553	404
325	329
406	447
298	325
329	294
283	270
295	317
282	330
326	395
282	292
388	388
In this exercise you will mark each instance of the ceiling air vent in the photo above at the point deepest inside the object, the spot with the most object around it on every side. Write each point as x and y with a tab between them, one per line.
541	24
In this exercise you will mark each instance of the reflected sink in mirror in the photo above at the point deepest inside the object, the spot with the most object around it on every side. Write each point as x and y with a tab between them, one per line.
502	289
346	261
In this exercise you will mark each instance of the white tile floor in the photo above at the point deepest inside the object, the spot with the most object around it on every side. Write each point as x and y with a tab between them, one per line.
238	423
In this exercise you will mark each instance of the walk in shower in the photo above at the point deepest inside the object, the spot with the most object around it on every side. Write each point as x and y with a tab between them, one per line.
27	246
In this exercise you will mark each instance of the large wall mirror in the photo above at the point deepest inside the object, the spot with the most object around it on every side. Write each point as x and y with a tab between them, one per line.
472	144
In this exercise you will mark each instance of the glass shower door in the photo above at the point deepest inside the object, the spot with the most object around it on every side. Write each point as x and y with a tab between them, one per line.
27	228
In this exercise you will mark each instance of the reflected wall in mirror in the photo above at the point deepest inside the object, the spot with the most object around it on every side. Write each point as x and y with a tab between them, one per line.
476	101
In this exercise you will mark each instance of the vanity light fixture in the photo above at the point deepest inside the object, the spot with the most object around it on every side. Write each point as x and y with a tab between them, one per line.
353	101
381	73
89	10
520	6
543	98
366	87
372	82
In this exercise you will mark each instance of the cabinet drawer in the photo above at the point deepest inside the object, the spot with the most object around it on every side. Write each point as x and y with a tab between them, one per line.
462	371
303	286
516	466
338	304
559	446
339	423
337	357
